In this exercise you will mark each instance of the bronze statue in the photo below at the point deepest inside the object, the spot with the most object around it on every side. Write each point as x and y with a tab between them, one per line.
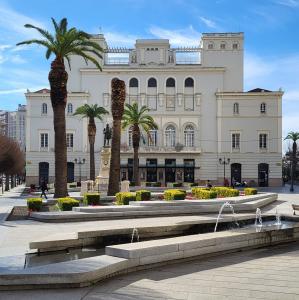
107	135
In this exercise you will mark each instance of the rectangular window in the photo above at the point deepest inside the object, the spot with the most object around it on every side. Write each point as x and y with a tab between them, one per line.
236	140
44	140
152	138
170	102
152	102
70	140
263	141
189	102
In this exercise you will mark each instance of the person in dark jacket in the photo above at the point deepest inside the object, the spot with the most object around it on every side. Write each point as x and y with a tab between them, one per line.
44	188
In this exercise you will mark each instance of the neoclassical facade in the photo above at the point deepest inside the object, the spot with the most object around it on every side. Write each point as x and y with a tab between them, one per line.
195	95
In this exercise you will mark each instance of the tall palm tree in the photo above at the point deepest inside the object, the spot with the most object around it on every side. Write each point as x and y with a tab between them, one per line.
118	97
91	112
63	43
294	136
140	121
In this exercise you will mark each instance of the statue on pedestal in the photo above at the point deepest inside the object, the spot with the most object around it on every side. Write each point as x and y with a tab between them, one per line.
107	135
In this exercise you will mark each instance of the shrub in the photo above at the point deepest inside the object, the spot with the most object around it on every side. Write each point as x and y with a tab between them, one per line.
66	203
34	204
73	185
91	199
196	190
225	191
156	184
174	195
123	198
143	195
205	194
132	183
250	191
193	184
177	184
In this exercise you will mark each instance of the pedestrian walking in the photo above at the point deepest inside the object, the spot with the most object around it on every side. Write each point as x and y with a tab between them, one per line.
44	188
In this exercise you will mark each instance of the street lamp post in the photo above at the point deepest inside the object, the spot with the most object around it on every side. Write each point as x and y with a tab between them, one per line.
79	162
223	161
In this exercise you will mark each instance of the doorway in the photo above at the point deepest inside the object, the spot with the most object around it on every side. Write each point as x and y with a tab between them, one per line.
236	173
170	166
263	175
70	172
43	172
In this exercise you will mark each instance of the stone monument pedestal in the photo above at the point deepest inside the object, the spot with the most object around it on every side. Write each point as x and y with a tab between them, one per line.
103	179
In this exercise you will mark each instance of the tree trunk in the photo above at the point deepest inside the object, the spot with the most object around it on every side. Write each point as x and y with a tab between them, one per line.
136	177
60	152
6	182
136	142
114	174
91	162
92	130
118	96
58	80
293	166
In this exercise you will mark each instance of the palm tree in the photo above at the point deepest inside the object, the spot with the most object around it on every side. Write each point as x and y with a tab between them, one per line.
294	136
91	112
118	97
63	44
139	120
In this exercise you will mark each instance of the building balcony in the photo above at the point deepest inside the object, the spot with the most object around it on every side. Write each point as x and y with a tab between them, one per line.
160	149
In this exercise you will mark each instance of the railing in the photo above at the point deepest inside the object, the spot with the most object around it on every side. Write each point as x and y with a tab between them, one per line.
161	149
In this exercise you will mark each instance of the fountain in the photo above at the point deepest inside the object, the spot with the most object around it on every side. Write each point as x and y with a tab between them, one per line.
278	219
135	233
258	218
226	204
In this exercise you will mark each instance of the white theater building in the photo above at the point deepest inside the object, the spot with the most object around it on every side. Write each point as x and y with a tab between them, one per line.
197	99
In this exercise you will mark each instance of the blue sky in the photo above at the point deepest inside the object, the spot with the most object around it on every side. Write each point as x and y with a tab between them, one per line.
271	30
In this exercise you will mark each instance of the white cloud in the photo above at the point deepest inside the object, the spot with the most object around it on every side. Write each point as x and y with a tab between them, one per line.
178	37
289	3
13	21
209	23
120	39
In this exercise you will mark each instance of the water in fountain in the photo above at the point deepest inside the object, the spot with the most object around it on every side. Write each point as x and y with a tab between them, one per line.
258	218
226	204
135	233
278	219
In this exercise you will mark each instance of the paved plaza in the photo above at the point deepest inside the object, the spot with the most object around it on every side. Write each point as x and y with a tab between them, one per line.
268	273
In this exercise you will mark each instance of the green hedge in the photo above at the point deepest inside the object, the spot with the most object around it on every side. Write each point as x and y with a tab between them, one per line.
153	184
34	204
177	184
91	199
143	195
123	198
196	190
225	191
204	193
250	191
67	203
174	195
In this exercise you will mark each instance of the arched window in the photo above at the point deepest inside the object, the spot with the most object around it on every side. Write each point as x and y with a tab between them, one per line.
211	45
170	136
152	82
170	82
189	136
44	108
189	82
263	108
130	136
69	108
133	82
236	108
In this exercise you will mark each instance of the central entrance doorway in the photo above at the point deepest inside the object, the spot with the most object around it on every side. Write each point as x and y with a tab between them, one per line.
236	173
170	166
151	170
263	175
